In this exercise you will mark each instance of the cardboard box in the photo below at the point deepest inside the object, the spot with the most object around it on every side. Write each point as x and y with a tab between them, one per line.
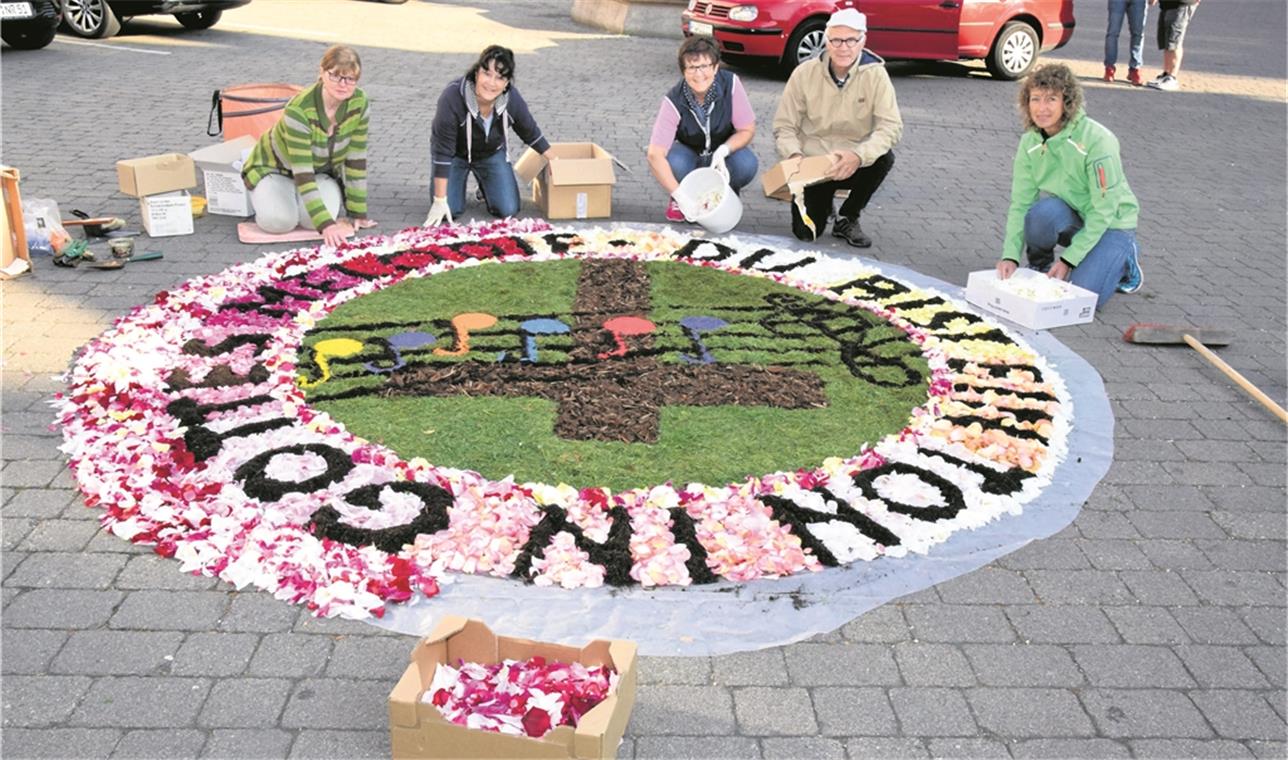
577	185
418	730
805	171
13	235
151	175
221	166
167	214
1078	307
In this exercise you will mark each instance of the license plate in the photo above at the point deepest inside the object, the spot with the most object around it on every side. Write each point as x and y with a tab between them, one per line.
16	10
696	27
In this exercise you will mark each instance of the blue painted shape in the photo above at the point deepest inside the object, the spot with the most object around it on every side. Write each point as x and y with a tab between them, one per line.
411	341
540	326
694	327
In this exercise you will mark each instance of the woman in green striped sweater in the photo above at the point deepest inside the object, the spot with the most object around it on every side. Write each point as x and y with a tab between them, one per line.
315	158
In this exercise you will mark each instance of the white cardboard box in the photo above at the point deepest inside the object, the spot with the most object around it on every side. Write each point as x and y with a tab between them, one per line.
220	166
167	214
1077	307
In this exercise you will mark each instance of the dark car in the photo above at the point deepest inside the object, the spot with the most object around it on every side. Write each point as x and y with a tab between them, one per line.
1007	34
30	24
102	18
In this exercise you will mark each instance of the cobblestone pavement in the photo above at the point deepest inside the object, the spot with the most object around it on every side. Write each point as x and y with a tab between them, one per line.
1153	626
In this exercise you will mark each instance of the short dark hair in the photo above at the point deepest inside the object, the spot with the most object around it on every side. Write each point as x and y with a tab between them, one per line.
502	57
694	47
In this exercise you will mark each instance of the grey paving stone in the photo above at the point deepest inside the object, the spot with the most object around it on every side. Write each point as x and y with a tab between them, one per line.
1146	625
116	653
152	571
1269	624
258	613
347	744
1176	525
14	529
104	542
1023	665
675	671
60	743
170	610
65	609
41	700
694	710
932	712
932	665
803	748
1098	587
370	657
27	652
1262	555
290	655
763	668
1255	526
1214	625
134	702
1167	749
1046	555
958	623
841	665
1271	660
968	747
843	711
29	474
1062	624
41	503
10	561
1095	525
1221	666
1267	749
306	623
696	747
214	654
237	744
1227	587
765	711
1175	555
1158	588
880	749
337	703
988	585
245	703
1062	749
58	536
1132	666
885	624
1240	714
1114	554
161	744
1245	498
1028	712
1145	713
66	570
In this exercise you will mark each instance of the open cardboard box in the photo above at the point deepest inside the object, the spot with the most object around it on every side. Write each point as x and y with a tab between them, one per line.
803	171
152	175
1076	308
418	730
578	184
220	166
167	214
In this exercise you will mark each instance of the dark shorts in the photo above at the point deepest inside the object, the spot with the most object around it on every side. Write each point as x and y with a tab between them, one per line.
1171	26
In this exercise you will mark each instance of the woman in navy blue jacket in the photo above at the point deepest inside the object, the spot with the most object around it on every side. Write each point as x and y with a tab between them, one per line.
471	134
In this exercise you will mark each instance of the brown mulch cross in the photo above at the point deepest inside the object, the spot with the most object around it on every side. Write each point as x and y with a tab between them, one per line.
614	398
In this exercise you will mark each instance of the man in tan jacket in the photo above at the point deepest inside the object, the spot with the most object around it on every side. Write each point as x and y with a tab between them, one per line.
840	104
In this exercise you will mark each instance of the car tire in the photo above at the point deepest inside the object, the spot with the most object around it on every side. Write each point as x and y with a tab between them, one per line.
199	19
809	39
28	39
1014	51
92	19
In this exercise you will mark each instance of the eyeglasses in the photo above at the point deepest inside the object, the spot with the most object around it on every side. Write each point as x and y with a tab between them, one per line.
848	42
700	68
334	77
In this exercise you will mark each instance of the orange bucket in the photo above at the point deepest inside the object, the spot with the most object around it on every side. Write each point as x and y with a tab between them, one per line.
248	109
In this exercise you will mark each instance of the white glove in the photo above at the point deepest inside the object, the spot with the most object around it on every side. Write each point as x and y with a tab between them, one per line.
682	201
438	213
718	159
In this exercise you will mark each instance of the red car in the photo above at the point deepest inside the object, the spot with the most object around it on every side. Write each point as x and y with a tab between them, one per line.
1007	34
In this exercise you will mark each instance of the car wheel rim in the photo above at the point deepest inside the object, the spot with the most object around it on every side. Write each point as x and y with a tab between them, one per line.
84	15
811	46
1017	52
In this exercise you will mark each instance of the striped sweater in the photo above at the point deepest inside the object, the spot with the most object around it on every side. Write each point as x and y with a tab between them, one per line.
298	147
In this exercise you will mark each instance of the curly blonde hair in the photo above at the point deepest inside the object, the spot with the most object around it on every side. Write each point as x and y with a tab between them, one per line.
1056	77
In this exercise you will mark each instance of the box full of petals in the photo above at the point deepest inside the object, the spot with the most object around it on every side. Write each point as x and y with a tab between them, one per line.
1031	298
470	693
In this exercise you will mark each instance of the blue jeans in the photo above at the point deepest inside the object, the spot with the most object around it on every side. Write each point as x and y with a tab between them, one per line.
496	179
741	163
1134	10
1051	222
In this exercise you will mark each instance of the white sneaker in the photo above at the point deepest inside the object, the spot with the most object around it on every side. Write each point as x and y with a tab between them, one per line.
1166	83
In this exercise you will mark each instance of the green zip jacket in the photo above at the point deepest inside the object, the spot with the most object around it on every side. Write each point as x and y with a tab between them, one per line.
1081	166
299	147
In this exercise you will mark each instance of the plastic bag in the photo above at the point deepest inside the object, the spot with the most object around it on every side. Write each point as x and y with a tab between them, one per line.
43	224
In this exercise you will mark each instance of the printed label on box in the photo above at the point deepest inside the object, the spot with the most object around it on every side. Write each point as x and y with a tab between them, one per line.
167	214
226	194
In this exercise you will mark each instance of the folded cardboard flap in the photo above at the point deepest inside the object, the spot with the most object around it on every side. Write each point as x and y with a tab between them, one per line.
151	175
800	171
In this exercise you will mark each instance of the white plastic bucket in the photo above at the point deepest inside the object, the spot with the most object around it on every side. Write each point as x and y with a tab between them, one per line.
704	182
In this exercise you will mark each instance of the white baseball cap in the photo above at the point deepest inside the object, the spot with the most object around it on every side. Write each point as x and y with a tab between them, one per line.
849	17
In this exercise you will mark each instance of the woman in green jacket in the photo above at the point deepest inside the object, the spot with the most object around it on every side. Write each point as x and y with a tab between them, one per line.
315	158
1068	189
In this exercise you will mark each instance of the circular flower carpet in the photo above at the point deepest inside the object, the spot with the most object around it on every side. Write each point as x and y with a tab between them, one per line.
575	432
